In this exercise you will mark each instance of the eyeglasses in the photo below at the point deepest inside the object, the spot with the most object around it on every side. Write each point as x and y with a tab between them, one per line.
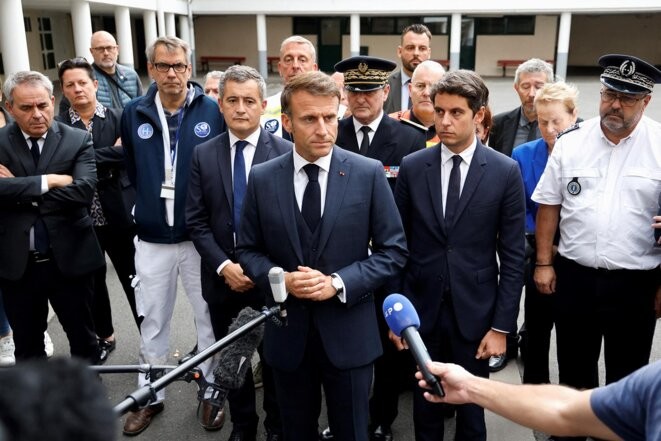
165	67
626	100
102	49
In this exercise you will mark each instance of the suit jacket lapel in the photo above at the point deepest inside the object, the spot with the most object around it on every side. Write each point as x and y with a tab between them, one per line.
22	150
263	149
224	158
473	177
338	179
383	142
284	179
348	135
435	187
50	147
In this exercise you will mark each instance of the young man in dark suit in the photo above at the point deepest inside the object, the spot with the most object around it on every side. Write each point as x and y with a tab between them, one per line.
316	212
219	172
49	250
463	209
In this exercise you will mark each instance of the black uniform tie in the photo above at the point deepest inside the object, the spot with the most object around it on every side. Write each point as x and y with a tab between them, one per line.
365	143
311	207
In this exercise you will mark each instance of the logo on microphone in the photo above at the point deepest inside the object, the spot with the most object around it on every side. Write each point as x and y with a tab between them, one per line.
396	307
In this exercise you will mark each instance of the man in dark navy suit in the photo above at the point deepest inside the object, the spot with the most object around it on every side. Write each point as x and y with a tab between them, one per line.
317	212
219	172
463	209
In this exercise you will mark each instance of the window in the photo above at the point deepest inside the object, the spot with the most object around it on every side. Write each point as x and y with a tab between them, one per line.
27	23
507	25
375	25
46	39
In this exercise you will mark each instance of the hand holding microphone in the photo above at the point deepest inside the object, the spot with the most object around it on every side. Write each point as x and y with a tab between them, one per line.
403	320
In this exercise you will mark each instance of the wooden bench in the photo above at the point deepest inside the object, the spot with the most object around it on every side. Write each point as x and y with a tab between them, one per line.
513	63
272	63
205	60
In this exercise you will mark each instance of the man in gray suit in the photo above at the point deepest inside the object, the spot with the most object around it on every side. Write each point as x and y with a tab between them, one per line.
414	49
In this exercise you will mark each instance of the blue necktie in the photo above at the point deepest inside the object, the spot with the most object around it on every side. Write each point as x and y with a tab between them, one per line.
41	241
240	182
452	198
311	206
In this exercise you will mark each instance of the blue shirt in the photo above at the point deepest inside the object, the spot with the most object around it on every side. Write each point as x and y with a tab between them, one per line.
631	407
531	157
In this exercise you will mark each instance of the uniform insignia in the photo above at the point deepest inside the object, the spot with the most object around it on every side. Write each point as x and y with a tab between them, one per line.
627	68
569	129
362	68
574	188
202	129
145	131
272	125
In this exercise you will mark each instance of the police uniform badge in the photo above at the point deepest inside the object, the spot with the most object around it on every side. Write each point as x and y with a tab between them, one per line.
574	188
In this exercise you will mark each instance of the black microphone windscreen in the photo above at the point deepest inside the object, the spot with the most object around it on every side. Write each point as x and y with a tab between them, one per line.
234	360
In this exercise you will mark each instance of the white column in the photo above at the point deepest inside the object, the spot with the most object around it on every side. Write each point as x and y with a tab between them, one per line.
170	27
161	20
191	38
261	45
124	36
13	43
562	57
149	19
455	41
81	22
354	35
183	29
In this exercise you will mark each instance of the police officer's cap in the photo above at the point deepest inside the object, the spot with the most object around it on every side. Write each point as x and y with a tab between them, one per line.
363	73
628	74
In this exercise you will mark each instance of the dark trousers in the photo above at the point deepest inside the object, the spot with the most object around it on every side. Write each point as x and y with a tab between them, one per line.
593	304
242	401
393	373
299	396
26	304
536	340
445	343
118	243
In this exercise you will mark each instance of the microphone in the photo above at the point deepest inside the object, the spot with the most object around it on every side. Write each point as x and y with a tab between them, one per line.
233	362
277	282
403	320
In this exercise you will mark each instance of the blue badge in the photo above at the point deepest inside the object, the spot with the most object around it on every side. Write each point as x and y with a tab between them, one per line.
145	131
574	188
272	125
202	129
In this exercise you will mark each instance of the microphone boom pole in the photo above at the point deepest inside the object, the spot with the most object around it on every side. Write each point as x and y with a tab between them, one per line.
142	396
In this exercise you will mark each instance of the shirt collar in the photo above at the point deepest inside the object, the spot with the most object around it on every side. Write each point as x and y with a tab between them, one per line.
523	121
405	78
27	137
466	155
357	125
323	162
252	139
99	111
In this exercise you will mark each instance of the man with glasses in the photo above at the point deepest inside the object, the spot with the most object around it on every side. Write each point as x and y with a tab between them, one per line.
602	180
159	132
415	48
117	84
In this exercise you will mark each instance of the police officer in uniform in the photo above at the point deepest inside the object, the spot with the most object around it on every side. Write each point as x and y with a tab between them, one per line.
602	181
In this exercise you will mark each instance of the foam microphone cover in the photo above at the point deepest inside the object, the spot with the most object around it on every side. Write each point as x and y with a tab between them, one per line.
234	360
400	313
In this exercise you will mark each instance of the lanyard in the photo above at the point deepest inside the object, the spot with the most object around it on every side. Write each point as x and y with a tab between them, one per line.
173	147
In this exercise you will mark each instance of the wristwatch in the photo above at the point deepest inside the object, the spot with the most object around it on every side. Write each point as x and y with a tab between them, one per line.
337	284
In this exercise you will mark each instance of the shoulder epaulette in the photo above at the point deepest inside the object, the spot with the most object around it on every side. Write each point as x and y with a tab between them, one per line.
569	129
413	124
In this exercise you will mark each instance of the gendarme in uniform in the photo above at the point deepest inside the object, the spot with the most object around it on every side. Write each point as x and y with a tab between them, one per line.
603	180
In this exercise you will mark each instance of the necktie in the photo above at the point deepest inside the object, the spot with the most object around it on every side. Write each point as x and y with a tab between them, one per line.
311	207
34	149
365	143
41	242
239	182
532	131
452	199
